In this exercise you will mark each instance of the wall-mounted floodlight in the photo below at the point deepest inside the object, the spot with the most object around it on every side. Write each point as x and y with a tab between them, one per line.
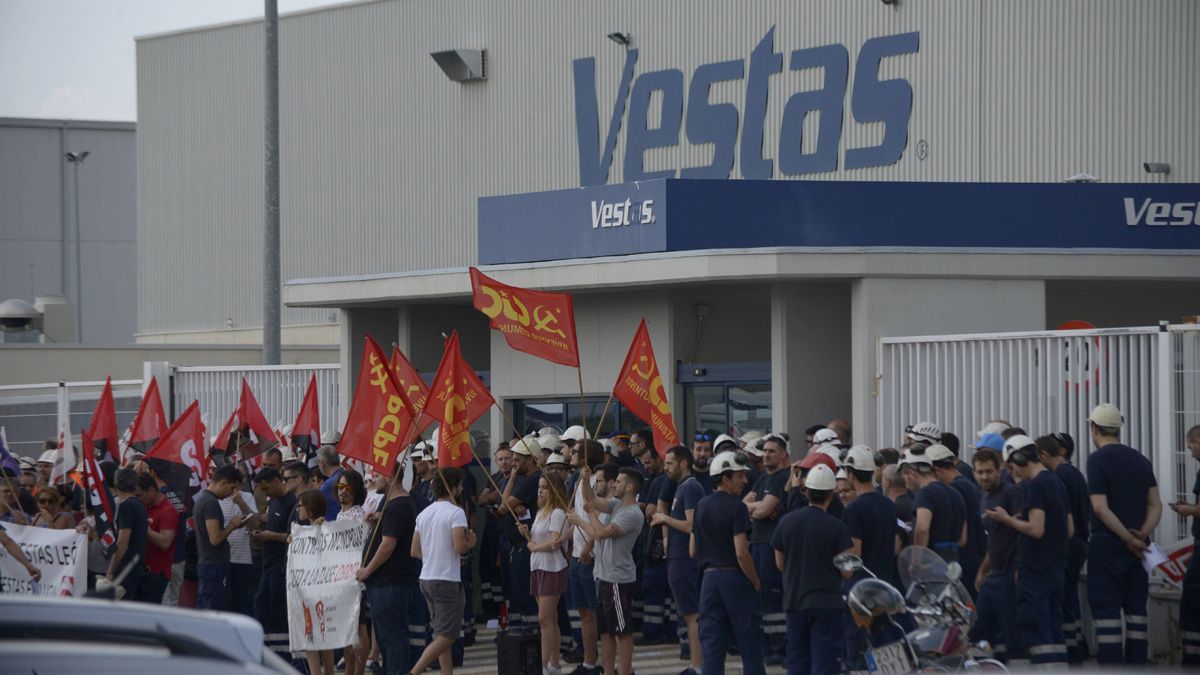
1082	178
463	65
623	39
1156	167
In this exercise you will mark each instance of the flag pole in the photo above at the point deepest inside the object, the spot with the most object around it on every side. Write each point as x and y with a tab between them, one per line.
582	403
603	415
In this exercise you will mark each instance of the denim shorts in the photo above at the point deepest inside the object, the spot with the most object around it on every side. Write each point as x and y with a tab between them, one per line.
581	585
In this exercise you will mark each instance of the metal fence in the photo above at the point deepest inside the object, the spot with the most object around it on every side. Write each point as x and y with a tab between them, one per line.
1048	381
279	390
31	414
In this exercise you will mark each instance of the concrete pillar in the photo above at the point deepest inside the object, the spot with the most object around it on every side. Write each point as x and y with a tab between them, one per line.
354	324
810	355
898	307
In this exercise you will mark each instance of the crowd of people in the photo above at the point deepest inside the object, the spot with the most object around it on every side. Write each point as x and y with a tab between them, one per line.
724	547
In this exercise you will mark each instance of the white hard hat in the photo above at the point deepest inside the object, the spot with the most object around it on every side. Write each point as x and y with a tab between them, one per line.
331	437
555	458
421	452
47	457
912	458
825	436
1106	415
726	461
926	432
860	458
833	451
547	431
842	475
992	428
820	477
575	433
1018	442
549	442
750	442
939	453
527	446
27	463
724	438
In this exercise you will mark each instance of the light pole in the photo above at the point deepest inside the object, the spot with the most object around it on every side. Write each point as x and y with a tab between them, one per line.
76	158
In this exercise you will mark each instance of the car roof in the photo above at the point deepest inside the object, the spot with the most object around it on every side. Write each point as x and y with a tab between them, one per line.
237	636
43	657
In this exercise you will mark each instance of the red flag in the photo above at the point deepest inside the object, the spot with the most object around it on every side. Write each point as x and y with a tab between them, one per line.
380	423
457	399
150	423
534	322
103	429
221	441
97	494
257	436
640	388
306	432
177	458
414	387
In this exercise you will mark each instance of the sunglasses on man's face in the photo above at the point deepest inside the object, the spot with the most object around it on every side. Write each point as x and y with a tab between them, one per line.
343	487
45	501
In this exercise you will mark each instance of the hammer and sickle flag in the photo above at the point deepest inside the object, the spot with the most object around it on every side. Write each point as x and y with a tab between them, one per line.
641	389
534	322
380	424
457	399
414	387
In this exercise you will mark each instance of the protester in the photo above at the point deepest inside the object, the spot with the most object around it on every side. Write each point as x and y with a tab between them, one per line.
129	556
1125	510
352	494
1054	451
1044	530
702	454
939	520
945	468
616	575
765	505
582	580
548	564
729	600
1189	604
441	536
329	464
310	510
51	512
520	500
241	561
162	535
390	575
493	559
683	575
13	549
270	603
212	534
805	544
996	618
10	510
655	585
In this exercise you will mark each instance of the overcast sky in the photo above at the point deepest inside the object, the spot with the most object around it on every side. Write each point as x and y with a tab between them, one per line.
75	59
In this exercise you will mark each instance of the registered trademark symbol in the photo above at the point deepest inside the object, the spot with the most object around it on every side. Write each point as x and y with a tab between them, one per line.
922	149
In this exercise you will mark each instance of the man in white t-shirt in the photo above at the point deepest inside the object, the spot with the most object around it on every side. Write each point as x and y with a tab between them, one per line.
241	564
581	581
441	538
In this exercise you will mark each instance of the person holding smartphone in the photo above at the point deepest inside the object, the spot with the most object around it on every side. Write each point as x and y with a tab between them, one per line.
212	538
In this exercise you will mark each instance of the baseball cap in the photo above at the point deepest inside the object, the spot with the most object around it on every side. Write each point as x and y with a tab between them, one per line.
820	478
925	431
1106	415
939	453
860	458
991	441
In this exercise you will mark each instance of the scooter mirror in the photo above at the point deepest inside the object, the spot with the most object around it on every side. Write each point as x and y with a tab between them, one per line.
954	571
847	562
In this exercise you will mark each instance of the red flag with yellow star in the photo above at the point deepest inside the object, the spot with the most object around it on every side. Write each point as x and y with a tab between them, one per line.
457	399
640	388
534	322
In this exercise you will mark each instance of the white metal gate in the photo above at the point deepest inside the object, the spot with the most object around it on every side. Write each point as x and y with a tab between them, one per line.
1048	381
31	414
278	389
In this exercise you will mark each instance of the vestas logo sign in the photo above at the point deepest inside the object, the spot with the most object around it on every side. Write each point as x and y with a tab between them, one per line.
717	124
616	214
1148	212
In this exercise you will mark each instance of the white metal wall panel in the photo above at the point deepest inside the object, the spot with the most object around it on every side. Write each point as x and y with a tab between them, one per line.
383	158
279	391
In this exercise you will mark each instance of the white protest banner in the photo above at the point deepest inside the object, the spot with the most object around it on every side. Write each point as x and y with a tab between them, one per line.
61	555
323	596
1176	564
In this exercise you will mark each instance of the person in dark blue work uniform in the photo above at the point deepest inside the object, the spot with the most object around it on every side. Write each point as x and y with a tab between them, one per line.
945	467
1055	452
805	543
996	618
1044	531
765	503
1125	510
729	602
1189	605
939	522
678	518
871	520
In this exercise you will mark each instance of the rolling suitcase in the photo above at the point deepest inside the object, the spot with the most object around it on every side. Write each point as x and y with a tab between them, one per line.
519	652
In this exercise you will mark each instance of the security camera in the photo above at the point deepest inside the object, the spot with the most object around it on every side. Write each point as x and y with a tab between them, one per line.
1156	167
16	314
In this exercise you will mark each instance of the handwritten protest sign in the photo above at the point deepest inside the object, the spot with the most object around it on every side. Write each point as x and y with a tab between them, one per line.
61	555
323	596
